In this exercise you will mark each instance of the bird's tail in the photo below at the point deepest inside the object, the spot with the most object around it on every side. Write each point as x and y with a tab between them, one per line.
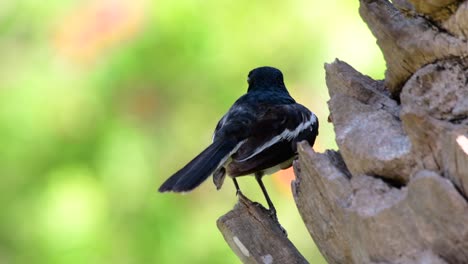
200	168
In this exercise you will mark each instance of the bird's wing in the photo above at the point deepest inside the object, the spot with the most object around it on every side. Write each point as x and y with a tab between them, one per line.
218	126
275	123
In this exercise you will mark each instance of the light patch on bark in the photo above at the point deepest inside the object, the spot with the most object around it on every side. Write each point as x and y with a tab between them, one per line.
241	246
267	259
463	143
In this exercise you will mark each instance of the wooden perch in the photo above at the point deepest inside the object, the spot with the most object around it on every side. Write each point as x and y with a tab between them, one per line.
255	236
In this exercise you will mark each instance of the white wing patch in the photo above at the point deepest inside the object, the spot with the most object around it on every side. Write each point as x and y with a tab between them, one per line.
221	163
286	134
221	124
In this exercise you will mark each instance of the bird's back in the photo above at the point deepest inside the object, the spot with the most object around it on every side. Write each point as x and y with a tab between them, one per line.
269	124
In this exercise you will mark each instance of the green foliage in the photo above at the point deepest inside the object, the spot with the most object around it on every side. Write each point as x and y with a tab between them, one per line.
101	101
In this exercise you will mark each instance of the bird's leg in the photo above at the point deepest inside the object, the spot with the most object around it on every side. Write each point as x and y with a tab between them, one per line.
258	177
238	191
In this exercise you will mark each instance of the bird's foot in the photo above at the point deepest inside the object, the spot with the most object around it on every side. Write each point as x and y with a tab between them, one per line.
283	230
272	213
274	216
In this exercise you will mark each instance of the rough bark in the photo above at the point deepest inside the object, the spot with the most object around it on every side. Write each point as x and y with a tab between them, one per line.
397	189
407	41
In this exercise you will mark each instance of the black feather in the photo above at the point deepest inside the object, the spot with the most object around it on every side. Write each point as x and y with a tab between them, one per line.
200	168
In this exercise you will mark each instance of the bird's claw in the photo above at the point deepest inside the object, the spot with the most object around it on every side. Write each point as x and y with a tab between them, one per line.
274	216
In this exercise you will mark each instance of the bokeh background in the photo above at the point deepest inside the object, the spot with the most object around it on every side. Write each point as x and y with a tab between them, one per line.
100	101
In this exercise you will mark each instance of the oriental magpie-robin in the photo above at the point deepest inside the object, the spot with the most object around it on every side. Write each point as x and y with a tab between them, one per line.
258	135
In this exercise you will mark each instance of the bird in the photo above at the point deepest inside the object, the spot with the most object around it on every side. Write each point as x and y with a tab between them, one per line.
257	136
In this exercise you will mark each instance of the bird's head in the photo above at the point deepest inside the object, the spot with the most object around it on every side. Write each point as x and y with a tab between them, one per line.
265	78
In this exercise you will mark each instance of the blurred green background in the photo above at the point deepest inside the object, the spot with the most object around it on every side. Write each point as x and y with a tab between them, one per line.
100	101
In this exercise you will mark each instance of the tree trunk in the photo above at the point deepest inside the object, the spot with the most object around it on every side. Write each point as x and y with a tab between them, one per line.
396	192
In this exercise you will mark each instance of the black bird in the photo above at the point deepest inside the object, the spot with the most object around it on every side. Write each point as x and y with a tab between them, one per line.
258	135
